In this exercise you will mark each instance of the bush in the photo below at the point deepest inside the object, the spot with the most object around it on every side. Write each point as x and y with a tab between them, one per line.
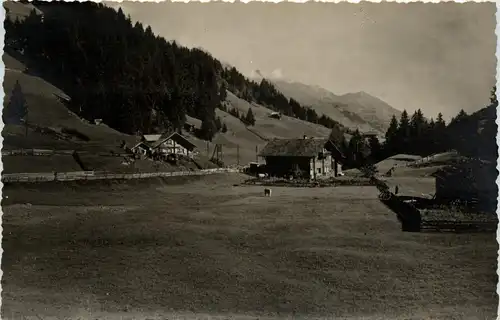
369	170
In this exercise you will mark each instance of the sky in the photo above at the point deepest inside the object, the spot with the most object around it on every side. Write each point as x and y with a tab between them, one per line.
436	57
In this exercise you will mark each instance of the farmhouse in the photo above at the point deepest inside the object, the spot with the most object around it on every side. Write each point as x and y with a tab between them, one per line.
307	157
173	143
472	180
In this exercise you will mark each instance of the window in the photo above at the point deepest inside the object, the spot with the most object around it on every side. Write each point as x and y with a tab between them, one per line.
319	170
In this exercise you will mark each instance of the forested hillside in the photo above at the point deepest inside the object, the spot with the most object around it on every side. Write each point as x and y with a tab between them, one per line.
134	80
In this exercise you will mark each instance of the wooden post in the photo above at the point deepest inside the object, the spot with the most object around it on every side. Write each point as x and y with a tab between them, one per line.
257	154
26	124
208	155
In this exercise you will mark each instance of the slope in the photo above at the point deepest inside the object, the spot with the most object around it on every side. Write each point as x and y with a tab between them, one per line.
52	125
371	109
353	110
240	142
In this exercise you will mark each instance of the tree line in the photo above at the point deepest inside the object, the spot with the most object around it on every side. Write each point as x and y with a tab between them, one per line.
471	135
135	81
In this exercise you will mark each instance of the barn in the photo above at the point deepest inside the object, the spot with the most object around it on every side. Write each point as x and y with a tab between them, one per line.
310	158
471	180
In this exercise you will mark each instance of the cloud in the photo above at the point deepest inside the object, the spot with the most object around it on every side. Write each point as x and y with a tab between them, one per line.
277	74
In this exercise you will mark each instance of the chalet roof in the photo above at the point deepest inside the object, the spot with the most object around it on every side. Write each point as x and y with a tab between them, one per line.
151	137
180	139
142	143
295	147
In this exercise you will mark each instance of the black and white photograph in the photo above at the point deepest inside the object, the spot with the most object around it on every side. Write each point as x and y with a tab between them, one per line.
217	160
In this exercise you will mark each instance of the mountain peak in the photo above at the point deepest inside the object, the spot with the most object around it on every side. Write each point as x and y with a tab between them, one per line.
353	110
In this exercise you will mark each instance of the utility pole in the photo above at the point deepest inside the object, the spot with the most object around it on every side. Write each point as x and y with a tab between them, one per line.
208	155
238	154
26	123
221	155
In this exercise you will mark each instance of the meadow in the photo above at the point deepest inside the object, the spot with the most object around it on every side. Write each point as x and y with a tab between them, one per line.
199	246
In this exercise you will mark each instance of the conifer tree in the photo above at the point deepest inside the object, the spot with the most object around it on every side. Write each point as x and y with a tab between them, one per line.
250	119
392	131
403	134
16	110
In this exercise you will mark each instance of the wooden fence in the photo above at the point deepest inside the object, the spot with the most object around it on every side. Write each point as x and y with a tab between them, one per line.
407	214
36	152
96	175
332	182
49	152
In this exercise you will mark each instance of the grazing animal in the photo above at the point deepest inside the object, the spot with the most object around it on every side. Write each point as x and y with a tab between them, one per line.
267	192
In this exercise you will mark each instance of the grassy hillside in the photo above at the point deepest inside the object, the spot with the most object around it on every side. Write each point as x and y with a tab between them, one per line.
270	128
52	125
248	138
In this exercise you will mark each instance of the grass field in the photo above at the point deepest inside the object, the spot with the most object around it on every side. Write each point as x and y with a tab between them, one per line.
34	164
201	245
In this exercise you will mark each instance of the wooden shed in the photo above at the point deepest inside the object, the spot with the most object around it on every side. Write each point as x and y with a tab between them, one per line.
471	180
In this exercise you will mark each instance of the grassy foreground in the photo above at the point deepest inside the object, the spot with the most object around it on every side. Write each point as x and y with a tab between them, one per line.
203	246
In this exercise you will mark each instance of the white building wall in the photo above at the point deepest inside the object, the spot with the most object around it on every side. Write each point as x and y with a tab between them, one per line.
171	147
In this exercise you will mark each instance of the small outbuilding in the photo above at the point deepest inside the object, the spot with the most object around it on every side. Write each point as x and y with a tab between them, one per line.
470	180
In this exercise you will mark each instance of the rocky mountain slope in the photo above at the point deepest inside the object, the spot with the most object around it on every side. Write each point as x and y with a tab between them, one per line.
358	110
